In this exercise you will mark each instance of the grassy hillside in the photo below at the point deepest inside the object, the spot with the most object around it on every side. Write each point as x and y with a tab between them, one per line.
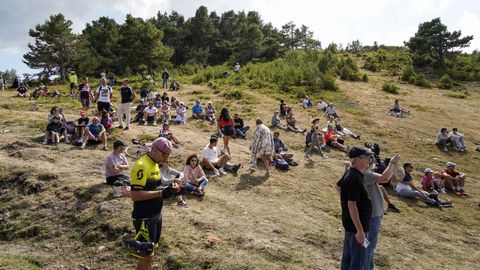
56	213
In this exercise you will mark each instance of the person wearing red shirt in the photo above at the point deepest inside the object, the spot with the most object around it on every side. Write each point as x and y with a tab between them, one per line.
225	125
454	180
334	140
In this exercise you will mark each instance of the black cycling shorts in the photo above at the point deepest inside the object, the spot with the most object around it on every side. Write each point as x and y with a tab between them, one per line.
228	130
153	226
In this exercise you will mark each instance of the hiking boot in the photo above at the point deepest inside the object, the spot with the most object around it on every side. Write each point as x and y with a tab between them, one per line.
141	249
393	208
222	172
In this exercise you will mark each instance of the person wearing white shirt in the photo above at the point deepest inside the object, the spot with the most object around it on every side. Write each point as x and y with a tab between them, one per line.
213	159
322	105
103	96
150	114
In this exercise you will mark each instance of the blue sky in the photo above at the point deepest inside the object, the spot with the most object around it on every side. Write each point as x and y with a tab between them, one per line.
387	21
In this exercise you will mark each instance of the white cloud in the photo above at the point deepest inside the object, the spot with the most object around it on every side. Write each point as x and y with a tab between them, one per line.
469	23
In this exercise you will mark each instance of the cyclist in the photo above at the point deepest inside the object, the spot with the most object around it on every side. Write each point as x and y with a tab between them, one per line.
148	199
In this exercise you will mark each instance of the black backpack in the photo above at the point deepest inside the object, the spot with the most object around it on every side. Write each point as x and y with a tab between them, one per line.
282	165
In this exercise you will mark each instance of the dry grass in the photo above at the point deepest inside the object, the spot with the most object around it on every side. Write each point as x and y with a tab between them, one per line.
59	212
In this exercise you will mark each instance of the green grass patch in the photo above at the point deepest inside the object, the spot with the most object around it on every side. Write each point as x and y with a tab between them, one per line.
8	261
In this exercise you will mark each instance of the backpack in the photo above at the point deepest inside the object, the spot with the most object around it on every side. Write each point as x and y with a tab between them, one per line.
282	165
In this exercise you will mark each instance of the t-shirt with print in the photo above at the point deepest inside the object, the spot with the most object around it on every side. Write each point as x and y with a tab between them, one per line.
104	93
370	180
83	121
95	129
146	176
84	90
151	111
210	154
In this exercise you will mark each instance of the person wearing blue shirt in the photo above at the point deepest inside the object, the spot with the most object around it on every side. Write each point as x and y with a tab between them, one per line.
197	110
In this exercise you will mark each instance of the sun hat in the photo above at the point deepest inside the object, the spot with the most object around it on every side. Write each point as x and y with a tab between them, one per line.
451	164
428	170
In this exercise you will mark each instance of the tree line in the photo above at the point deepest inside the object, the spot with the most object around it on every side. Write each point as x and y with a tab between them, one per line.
140	45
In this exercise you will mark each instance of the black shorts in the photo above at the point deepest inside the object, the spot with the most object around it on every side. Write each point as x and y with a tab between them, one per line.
150	119
72	85
103	105
121	177
153	229
228	130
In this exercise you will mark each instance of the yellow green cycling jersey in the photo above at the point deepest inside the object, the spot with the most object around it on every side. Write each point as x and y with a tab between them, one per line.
146	176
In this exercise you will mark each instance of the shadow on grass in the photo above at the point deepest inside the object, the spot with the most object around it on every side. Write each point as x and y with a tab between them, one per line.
247	181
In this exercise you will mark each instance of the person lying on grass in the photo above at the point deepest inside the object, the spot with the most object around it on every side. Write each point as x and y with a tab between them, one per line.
334	140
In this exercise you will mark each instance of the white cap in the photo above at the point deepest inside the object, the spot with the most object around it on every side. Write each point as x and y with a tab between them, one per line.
451	164
428	170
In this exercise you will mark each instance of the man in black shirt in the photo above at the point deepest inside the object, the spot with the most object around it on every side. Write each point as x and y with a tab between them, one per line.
240	129
356	210
124	108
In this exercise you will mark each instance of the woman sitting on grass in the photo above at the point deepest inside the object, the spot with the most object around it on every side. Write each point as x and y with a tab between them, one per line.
181	118
406	187
173	180
195	179
106	120
291	124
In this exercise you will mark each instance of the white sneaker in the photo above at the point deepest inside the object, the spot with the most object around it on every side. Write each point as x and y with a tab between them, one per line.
145	123
83	146
222	172
44	142
216	173
443	190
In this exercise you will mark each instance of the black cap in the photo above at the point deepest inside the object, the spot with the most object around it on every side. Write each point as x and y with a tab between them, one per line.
118	144
356	152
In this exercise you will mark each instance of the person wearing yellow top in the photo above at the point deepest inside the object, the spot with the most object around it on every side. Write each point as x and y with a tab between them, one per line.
148	198
73	79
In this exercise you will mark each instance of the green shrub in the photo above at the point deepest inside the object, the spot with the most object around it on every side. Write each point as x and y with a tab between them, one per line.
365	78
445	82
390	87
422	82
234	94
372	64
408	74
328	81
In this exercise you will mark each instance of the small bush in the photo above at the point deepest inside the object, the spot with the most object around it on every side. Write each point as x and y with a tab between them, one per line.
422	82
372	64
390	87
234	94
328	82
445	82
365	78
408	74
